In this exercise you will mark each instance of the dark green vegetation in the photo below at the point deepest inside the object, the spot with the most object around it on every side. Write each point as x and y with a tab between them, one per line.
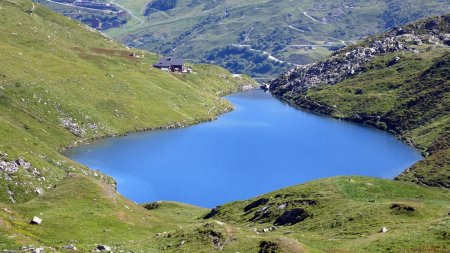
61	83
99	15
404	90
240	35
159	5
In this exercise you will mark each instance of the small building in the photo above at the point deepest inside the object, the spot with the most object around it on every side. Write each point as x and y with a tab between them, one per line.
171	64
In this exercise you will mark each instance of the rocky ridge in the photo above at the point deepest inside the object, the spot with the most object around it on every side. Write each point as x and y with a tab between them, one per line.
350	61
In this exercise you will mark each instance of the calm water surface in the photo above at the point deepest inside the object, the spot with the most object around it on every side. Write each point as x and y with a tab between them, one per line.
261	146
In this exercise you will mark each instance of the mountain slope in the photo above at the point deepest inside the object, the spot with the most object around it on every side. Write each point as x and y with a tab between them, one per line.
62	83
243	35
397	81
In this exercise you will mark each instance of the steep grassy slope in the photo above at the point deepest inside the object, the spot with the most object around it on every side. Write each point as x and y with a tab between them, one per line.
208	31
398	81
61	83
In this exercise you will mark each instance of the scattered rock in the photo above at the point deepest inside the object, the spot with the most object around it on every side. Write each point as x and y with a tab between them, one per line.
69	247
39	191
153	205
103	248
268	247
36	220
402	209
11	196
38	250
283	206
255	204
216	238
246	87
305	202
9	167
160	234
357	92
291	217
23	163
213	213
394	61
446	42
73	127
264	214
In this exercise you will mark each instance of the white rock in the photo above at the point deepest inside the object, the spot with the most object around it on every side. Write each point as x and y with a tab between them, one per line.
39	191
38	250
36	220
69	247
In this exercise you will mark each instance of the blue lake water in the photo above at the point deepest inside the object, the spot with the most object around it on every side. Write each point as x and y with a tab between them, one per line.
262	145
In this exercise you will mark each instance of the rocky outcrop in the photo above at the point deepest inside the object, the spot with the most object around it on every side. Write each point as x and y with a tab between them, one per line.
13	167
73	127
292	217
268	247
351	60
402	209
255	204
9	167
214	211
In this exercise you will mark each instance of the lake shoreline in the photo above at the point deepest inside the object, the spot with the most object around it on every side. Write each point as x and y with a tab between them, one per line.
170	125
138	155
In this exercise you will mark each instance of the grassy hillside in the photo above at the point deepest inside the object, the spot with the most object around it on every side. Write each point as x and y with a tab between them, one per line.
208	31
344	214
405	90
61	83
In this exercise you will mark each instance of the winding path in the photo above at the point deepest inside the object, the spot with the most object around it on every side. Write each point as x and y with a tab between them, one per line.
270	57
296	29
140	20
312	18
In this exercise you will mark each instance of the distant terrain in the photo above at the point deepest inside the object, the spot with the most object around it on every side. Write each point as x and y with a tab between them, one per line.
98	14
262	38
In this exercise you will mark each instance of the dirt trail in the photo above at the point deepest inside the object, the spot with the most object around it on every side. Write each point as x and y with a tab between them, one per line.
141	21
